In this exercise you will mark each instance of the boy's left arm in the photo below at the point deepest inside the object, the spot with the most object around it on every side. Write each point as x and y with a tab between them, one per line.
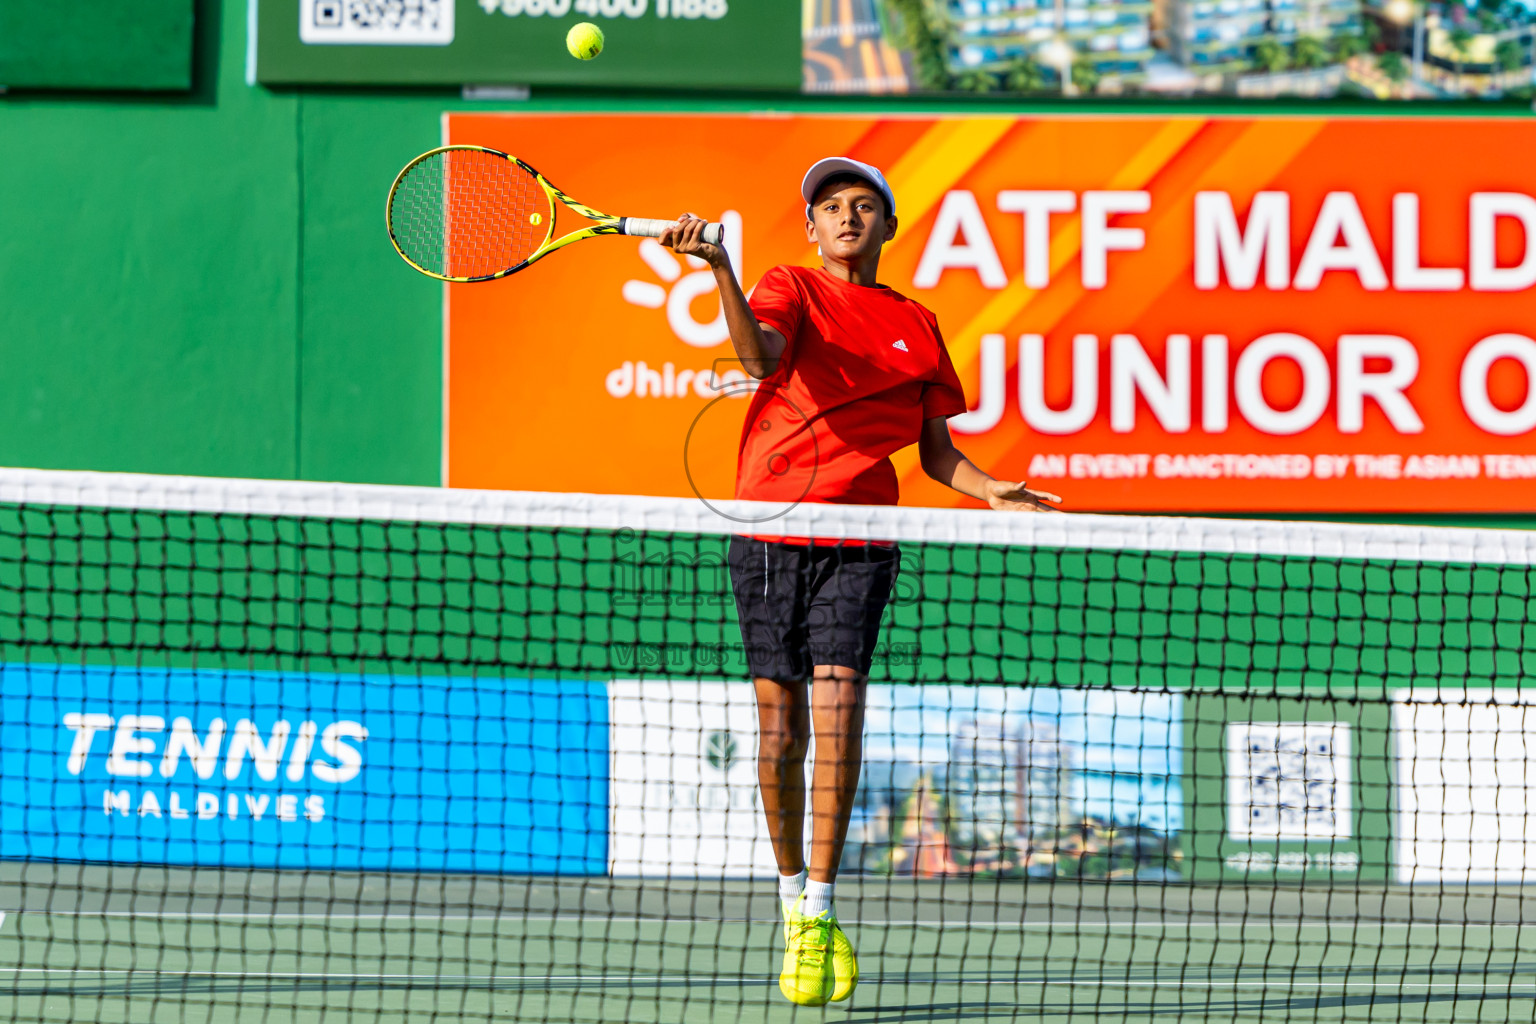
948	465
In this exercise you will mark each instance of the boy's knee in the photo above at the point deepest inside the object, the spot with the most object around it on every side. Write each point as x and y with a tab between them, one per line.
782	745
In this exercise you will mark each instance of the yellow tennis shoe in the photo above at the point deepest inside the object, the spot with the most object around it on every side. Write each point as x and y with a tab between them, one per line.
845	964
806	978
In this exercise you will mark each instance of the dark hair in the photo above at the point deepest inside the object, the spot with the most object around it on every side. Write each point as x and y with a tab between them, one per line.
846	178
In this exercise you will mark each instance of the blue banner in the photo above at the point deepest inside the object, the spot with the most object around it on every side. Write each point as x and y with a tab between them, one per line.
283	770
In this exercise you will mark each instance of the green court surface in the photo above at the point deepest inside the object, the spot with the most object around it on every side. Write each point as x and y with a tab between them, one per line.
161	945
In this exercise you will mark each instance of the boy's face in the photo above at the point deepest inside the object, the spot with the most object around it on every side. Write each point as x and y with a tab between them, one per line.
848	221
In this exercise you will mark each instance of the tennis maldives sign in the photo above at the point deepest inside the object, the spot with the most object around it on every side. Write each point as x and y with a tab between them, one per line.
1147	313
303	770
135	752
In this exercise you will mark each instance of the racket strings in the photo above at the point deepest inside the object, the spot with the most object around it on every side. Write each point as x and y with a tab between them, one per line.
467	213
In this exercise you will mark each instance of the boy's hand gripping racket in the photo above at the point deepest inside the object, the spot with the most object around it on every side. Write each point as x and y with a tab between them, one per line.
468	213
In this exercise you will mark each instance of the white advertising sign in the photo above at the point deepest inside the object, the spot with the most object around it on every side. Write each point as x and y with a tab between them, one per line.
684	796
1465	776
1288	780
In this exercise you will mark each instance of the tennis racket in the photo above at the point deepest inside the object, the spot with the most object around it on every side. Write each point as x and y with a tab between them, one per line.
468	213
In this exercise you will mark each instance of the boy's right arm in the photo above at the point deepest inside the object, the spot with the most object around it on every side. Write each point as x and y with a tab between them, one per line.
757	345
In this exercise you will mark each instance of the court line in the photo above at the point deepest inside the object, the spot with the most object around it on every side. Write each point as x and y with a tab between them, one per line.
1375	982
1175	925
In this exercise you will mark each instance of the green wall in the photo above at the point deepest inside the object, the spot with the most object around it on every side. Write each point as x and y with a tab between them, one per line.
200	283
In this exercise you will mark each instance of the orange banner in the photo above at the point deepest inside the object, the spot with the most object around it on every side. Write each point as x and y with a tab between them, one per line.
1154	314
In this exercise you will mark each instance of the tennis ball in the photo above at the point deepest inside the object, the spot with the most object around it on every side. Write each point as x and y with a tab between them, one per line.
585	41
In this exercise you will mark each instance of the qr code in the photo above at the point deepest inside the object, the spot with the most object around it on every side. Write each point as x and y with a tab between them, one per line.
376	22
1288	780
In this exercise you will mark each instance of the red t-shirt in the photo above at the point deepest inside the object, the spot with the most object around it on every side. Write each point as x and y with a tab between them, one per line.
863	368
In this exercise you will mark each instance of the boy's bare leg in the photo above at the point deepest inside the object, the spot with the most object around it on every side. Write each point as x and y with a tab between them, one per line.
783	720
837	712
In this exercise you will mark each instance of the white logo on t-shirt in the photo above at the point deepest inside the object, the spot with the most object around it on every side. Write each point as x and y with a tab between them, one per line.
899	343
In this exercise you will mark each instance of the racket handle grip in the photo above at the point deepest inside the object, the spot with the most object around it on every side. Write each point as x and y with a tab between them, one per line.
714	234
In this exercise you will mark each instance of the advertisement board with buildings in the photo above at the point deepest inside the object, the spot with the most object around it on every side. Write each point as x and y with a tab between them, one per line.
1259	49
957	780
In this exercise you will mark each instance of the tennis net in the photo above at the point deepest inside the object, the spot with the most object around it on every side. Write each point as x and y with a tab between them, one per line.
306	752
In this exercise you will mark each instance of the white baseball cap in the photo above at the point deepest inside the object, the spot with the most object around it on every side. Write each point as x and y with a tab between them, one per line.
821	170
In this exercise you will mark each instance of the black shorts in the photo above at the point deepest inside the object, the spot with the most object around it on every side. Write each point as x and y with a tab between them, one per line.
802	605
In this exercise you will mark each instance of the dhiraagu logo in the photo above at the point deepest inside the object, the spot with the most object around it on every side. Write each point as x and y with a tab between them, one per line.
720	749
154	764
676	294
678	290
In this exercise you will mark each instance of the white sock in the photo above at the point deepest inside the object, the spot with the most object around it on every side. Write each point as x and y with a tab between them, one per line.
791	886
818	897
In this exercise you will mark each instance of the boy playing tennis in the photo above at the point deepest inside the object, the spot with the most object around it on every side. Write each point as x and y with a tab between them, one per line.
852	372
